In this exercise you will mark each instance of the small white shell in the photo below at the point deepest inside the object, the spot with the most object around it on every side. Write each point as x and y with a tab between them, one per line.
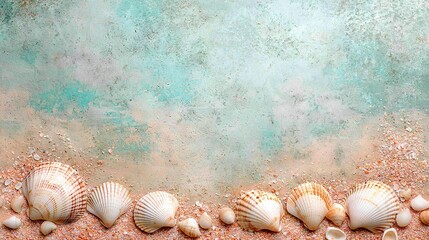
227	215
47	227
155	210
108	202
333	233
189	227
309	202
419	203
258	210
390	234
12	222
406	194
403	218
336	214
205	221
17	203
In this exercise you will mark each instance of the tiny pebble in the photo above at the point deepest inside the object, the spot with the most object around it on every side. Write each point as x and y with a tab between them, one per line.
18	185
8	182
36	157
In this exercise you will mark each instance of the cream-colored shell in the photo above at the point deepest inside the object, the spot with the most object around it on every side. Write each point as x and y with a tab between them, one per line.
16	203
372	205
12	222
47	227
227	215
336	214
390	234
309	202
190	228
108	202
205	221
419	203
54	192
333	233
257	210
403	218
155	210
424	217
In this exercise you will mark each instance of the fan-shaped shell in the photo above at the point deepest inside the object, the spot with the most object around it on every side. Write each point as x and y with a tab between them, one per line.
333	233
336	214
54	192
155	210
189	227
257	210
372	205
309	202
108	202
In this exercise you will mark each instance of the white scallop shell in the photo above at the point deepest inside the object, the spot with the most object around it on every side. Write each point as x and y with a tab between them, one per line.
309	202
47	227
205	221
155	210
333	233
108	202
403	218
390	234
336	214
16	203
54	192
419	203
189	227
372	205
257	210
12	222
227	215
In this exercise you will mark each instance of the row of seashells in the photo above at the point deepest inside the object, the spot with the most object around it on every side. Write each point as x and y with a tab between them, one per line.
57	194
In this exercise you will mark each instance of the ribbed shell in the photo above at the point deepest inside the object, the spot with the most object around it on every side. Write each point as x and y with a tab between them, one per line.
155	210
108	202
257	210
309	202
372	205
190	227
54	192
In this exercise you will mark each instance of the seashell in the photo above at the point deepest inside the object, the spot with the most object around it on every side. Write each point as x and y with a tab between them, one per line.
333	233
390	234
205	221
189	227
47	227
18	185
155	210
17	203
403	218
227	215
309	202
54	192
424	217
108	202
406	194
12	222
372	205
419	203
257	210
8	182
336	214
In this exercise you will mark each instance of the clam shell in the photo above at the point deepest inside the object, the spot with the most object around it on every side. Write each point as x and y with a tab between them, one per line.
108	202
419	203
12	222
189	227
205	221
424	217
155	210
227	215
54	192
17	203
390	234
403	218
333	233
309	202
336	214
372	205
47	227
257	210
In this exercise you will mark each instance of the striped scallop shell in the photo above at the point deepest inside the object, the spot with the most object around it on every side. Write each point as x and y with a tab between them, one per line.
54	192
309	202
155	210
108	202
257	210
372	205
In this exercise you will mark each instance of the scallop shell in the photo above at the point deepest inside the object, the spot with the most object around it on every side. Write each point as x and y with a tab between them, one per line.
390	234
336	214
54	192
205	221
424	217
12	222
309	202
333	233
108	202
257	210
227	215
419	203
17	203
47	227
372	205
403	218
189	227
155	210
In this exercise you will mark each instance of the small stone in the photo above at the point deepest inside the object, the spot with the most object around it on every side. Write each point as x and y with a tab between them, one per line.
409	129
8	182
36	157
109	151
198	204
18	185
